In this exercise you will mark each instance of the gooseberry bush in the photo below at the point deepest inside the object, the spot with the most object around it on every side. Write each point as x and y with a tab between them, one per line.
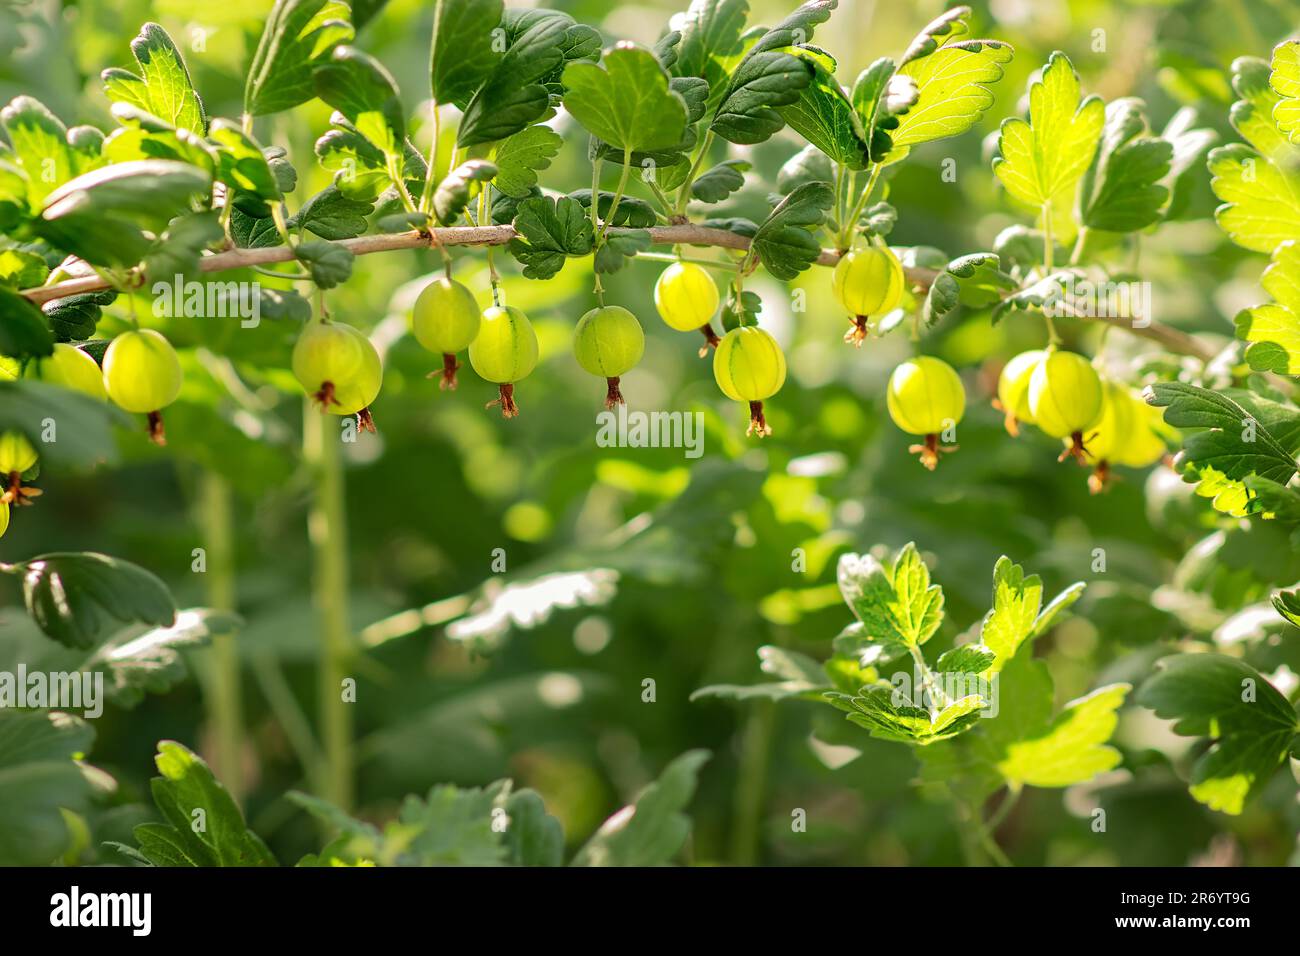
551	196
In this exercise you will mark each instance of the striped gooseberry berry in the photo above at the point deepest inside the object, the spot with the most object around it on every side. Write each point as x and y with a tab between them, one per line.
749	366
73	368
445	320
925	397
504	352
1013	390
1065	399
687	298
339	368
142	374
608	342
867	282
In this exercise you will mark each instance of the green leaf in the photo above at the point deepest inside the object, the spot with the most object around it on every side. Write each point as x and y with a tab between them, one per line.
459	186
709	40
85	425
1285	81
332	215
360	167
980	279
1073	749
242	163
111	216
451	827
300	35
1122	191
20	269
716	184
1236	442
651	830
463	54
809	165
202	823
1041	161
1228	701
40	147
966	659
329	263
448	827
515	96
1252	115
23	330
177	252
895	602
136	661
768	77
550	230
636	213
785	241
1261	202
823	115
532	837
1016	602
626	100
884	713
38	781
618	246
358	86
952	90
1287	604
71	595
162	87
519	158
1273	329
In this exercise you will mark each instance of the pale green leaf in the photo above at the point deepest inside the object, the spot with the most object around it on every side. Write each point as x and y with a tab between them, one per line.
1042	160
1073	749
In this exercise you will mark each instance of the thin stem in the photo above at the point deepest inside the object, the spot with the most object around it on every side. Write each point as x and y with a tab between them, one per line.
431	177
751	784
216	516
691	234
327	529
936	693
684	191
1004	809
1049	252
289	714
851	224
281	225
618	193
594	211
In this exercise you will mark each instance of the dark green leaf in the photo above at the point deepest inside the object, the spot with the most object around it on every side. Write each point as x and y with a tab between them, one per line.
39	780
785	241
332	215
1230	702
70	595
459	187
716	184
549	231
299	36
202	823
463	52
23	329
767	78
330	264
358	86
653	828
